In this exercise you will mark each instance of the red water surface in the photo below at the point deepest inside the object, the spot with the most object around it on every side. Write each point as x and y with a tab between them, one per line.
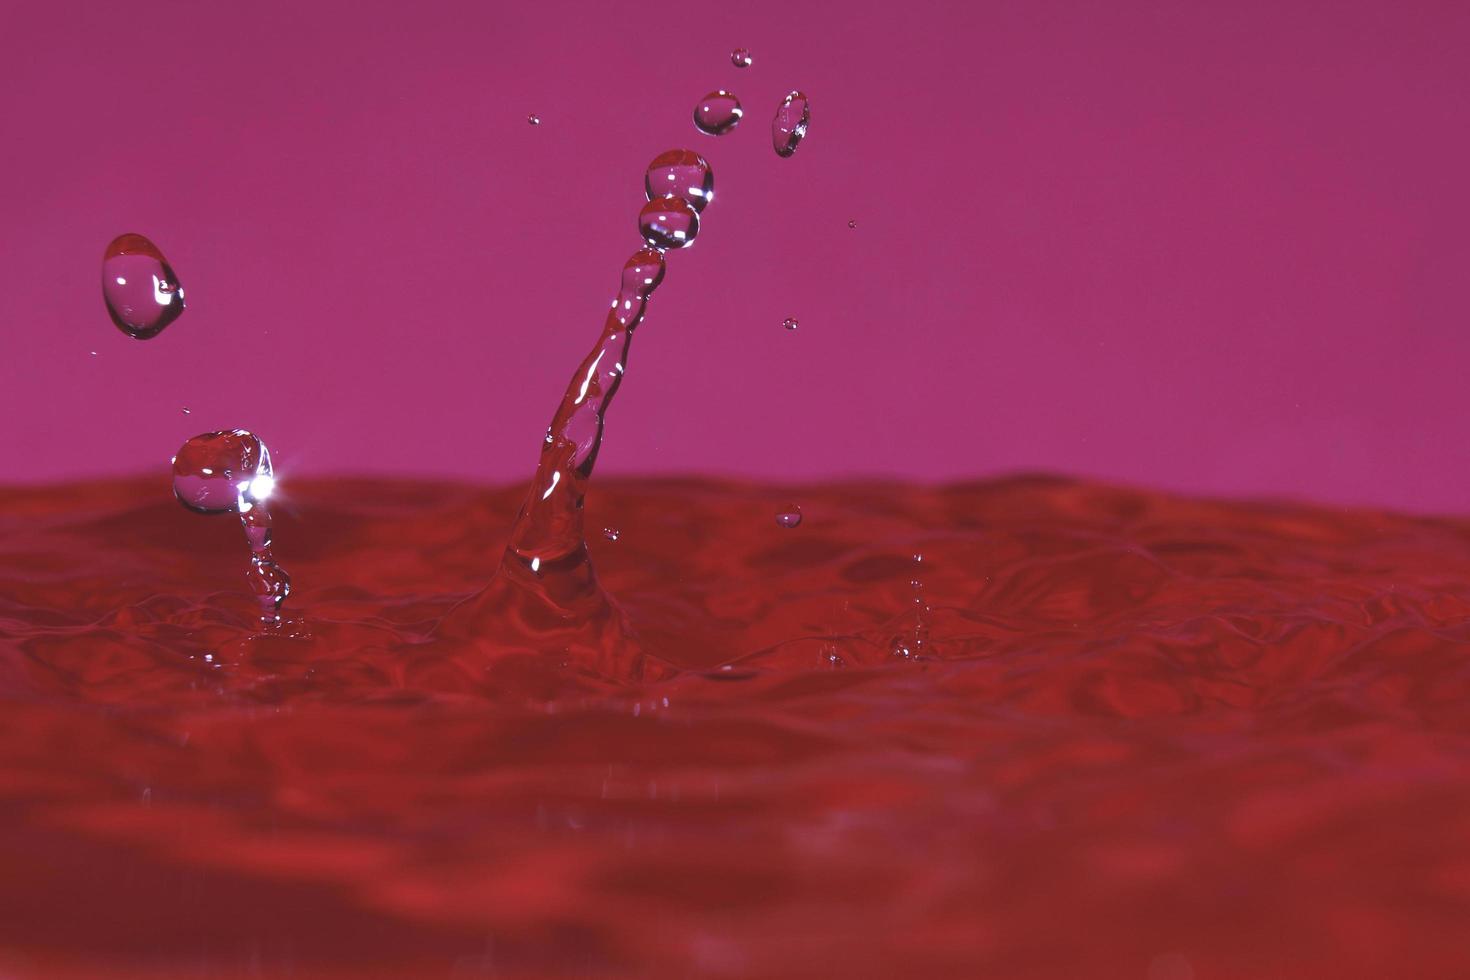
1137	736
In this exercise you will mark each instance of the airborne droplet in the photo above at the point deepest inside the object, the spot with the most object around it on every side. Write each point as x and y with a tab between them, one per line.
668	222
680	173
741	58
788	128
140	289
717	113
789	516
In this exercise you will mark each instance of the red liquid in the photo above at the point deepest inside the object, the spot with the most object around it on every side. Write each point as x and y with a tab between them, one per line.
1151	738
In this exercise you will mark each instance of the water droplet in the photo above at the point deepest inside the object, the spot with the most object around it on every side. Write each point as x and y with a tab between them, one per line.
741	58
533	119
788	128
668	222
717	113
94	353
680	173
611	533
230	472
851	222
184	410
212	470
790	323
140	289
789	516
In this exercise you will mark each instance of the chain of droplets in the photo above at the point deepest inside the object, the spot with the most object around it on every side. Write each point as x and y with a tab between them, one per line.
548	532
914	643
230	472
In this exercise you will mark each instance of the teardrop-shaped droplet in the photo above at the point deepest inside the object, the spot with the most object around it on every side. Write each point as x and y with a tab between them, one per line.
789	516
741	58
680	173
668	222
717	113
642	273
788	128
213	470
139	287
790	323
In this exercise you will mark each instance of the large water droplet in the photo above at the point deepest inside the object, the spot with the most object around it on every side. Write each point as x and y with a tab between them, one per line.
788	128
213	470
141	291
717	113
789	516
680	173
668	222
741	58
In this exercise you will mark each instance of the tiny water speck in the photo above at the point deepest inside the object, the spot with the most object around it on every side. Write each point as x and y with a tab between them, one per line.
741	58
790	323
789	517
533	119
851	222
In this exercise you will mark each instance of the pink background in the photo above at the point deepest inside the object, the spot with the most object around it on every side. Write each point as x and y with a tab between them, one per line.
1213	246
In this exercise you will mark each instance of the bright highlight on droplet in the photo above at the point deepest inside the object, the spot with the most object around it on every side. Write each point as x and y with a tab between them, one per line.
790	323
741	58
789	516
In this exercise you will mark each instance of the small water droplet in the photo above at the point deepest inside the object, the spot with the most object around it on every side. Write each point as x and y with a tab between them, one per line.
789	516
141	291
611	533
680	173
790	323
184	410
94	353
788	128
717	113
668	222
741	58
851	222
533	119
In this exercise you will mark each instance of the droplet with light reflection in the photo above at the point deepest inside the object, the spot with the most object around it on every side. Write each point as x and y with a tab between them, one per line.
790	323
741	58
680	173
788	128
668	222
230	472
789	516
717	113
140	288
533	119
